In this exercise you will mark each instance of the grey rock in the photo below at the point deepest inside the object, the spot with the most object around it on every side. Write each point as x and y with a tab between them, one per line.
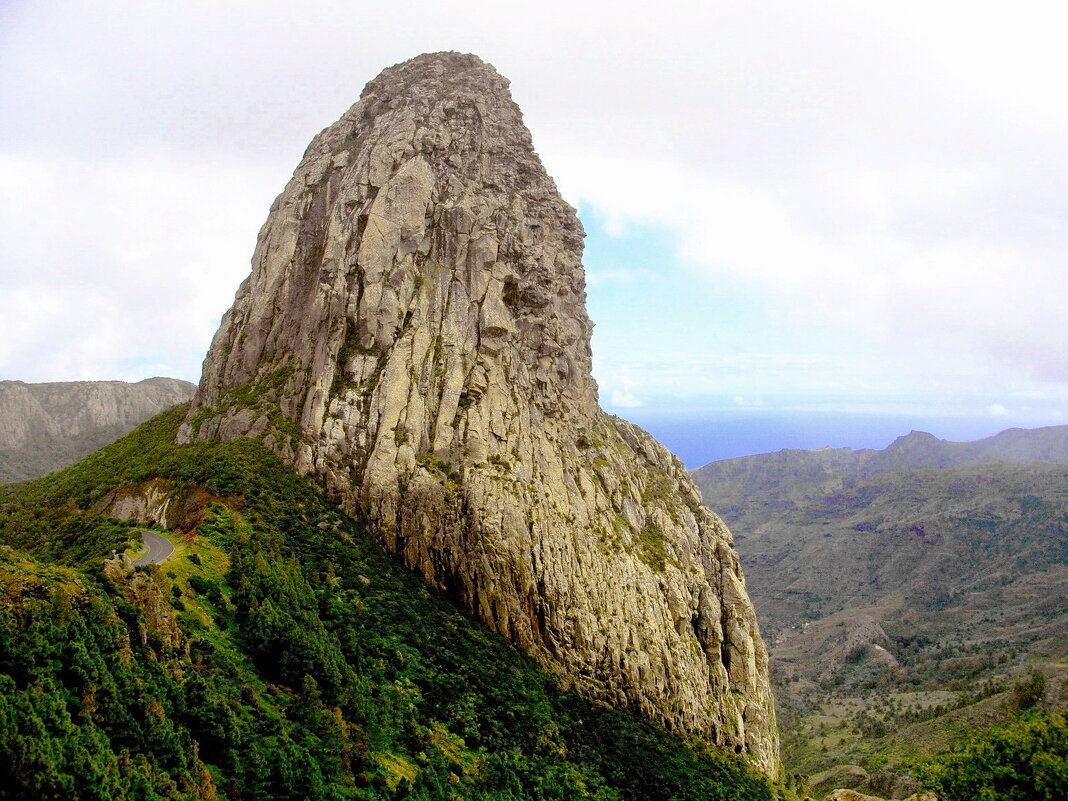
840	776
414	333
45	427
846	794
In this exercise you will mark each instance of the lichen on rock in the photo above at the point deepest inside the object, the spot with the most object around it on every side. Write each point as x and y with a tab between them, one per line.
414	333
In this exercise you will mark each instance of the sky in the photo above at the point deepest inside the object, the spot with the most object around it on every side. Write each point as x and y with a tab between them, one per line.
809	211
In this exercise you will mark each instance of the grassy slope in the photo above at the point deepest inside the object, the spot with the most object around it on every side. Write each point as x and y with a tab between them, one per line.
280	654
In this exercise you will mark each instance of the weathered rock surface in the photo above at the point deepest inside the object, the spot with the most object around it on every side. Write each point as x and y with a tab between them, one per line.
45	427
838	777
159	503
147	591
414	332
846	794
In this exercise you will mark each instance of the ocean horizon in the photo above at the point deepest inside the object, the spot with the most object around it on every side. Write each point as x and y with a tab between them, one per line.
698	439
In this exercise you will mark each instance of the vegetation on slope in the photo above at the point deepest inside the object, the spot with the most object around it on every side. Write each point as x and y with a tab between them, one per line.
907	594
1025	760
279	654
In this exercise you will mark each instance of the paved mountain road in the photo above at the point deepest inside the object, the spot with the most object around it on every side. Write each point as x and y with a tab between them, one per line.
159	548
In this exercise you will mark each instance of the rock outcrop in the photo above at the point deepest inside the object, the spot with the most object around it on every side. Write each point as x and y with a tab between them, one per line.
45	427
414	332
148	592
159	503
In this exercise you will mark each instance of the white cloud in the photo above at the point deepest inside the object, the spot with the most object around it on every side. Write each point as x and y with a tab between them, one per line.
115	268
983	295
892	172
624	400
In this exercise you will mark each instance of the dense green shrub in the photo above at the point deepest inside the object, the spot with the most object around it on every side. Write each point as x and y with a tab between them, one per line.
315	667
1029	690
1025	760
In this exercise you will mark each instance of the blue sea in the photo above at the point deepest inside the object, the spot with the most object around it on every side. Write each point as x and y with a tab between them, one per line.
699	439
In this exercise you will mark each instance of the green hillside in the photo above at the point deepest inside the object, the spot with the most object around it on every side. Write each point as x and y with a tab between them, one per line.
279	654
905	604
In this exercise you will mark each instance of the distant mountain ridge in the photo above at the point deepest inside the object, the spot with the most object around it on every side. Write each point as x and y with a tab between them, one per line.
919	450
928	567
786	508
47	426
796	473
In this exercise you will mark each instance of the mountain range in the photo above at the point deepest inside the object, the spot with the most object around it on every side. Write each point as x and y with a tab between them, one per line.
900	581
44	427
924	518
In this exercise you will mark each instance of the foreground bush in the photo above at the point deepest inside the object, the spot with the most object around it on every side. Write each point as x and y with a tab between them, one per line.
1025	760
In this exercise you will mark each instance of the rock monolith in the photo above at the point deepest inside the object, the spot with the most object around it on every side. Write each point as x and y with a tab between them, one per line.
414	334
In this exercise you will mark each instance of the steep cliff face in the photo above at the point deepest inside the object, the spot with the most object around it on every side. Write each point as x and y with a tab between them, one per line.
414	332
44	427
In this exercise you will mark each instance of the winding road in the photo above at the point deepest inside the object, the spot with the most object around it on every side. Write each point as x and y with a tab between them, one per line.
158	548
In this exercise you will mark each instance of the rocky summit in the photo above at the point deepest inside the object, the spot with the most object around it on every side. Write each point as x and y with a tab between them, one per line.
414	333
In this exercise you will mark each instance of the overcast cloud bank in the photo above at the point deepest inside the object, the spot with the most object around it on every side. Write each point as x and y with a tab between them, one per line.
877	193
